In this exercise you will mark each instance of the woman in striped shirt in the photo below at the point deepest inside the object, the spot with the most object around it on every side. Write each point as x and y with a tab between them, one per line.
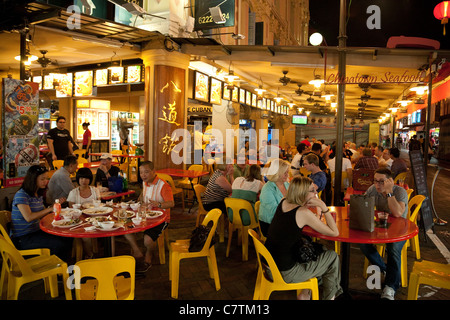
218	188
27	209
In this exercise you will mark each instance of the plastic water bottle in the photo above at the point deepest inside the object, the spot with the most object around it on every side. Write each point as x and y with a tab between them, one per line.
57	209
124	182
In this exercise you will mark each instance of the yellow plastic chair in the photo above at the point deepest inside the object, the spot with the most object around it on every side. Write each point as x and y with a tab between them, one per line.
180	250
81	161
199	191
109	282
116	152
414	206
5	220
304	172
401	175
257	205
58	164
185	183
80	153
175	190
430	273
269	278
235	223
19	271
409	192
344	177
417	202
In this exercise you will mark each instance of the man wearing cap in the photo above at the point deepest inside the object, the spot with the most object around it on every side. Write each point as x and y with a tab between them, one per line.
106	170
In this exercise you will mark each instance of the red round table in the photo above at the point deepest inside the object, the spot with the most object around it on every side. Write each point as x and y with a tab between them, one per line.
398	229
47	226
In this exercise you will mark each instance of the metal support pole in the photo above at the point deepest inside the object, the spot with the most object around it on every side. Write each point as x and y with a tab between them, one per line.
427	123
23	55
341	104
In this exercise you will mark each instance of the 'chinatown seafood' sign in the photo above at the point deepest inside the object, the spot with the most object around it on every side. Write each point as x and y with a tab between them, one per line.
387	77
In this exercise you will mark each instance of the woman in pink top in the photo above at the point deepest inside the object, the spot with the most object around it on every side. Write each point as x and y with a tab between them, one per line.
86	138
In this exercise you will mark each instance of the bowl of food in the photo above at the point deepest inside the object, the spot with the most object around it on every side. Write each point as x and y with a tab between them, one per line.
106	224
96	203
76	213
135	206
124	205
136	221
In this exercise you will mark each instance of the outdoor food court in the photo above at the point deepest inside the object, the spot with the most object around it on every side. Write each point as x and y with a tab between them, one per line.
250	152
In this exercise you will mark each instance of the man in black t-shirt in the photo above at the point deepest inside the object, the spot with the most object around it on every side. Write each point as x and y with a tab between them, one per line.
106	170
59	140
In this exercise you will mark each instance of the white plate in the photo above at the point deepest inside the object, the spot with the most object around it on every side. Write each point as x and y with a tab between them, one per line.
157	214
66	223
70	211
130	214
89	205
98	211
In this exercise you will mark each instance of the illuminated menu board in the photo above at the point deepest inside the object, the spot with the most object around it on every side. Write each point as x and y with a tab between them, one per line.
216	91
83	83
201	91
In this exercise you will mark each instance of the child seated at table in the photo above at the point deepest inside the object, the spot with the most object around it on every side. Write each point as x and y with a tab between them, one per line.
85	192
82	194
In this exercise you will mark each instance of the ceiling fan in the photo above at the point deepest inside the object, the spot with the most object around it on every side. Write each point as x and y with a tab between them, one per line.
44	61
285	80
299	91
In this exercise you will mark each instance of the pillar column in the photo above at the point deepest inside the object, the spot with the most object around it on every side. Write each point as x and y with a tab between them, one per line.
166	82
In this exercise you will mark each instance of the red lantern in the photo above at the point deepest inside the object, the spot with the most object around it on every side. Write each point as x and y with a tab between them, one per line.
442	12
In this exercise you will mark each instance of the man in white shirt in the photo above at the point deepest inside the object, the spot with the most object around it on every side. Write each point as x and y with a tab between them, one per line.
346	167
379	155
387	159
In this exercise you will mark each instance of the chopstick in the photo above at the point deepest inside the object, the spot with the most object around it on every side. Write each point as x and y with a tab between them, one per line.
79	225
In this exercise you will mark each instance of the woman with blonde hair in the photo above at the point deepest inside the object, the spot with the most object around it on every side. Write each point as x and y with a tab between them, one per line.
285	237
273	191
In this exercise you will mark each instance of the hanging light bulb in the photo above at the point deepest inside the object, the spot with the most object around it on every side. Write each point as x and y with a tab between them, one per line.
317	82
420	90
393	110
404	102
231	77
328	96
278	99
260	90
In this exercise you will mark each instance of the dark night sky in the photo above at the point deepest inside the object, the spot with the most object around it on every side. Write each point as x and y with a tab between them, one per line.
413	18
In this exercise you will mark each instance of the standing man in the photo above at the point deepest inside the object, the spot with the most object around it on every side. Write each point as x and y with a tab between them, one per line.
306	141
155	193
59	140
60	183
394	200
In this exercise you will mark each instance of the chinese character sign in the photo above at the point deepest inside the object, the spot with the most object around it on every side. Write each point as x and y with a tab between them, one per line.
20	129
169	110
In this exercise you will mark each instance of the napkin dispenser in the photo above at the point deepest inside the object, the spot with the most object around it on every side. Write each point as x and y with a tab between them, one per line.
361	215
